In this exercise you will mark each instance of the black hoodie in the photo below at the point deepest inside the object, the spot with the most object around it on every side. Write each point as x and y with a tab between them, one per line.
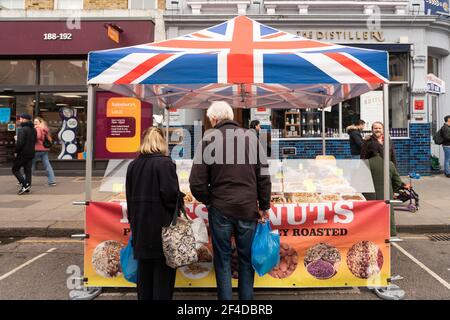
26	139
356	140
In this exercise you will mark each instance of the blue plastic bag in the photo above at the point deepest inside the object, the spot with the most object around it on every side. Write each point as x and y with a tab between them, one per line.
128	263
265	248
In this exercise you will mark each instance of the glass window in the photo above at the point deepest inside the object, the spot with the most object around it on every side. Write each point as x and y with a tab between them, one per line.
69	4
398	66
12	4
142	4
433	65
398	109
17	72
351	112
332	121
65	112
63	72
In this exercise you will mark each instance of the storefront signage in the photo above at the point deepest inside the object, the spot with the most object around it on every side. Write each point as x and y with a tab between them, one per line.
436	6
343	35
5	114
371	108
39	37
435	85
120	122
58	36
333	244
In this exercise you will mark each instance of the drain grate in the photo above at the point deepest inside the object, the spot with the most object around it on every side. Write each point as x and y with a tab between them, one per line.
439	237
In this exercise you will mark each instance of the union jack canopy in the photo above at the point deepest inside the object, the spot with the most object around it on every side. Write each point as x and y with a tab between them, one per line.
243	62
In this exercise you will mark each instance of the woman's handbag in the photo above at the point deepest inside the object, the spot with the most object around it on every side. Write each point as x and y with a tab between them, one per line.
178	240
47	142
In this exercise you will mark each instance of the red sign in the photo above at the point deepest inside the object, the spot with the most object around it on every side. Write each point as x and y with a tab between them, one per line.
419	105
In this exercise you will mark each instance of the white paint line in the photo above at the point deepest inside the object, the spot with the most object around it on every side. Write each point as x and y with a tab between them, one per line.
6	275
434	275
51	241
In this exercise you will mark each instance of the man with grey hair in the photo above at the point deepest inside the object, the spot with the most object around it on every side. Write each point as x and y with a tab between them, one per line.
232	183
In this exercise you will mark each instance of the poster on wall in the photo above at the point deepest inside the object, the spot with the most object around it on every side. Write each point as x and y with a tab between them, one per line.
120	122
436	6
330	244
371	108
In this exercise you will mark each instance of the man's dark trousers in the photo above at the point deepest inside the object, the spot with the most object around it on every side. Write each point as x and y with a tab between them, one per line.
26	163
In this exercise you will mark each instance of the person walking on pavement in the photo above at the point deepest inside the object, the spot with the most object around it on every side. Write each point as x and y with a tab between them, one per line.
41	151
265	142
236	193
445	132
26	140
355	138
378	137
151	189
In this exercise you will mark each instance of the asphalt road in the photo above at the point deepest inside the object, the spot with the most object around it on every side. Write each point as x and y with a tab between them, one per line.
36	268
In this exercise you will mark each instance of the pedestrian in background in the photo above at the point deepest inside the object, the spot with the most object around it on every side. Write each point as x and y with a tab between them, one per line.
151	190
24	153
378	137
256	126
445	132
42	132
236	195
355	138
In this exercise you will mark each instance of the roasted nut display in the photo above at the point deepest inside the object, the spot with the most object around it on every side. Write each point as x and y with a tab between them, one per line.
322	261
106	259
204	255
288	262
195	268
365	259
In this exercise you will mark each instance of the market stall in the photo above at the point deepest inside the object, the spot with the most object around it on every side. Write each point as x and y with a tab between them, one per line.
252	65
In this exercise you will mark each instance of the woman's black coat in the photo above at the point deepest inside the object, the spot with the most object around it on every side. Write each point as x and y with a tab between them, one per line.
152	190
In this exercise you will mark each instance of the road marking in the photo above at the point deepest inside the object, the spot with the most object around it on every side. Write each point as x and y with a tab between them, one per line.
6	275
434	275
50	241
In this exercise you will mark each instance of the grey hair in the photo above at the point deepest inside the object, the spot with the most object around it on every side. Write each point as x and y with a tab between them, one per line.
220	110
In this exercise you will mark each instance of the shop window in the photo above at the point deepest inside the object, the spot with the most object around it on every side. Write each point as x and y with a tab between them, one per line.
351	112
12	4
398	66
398	109
332	121
63	72
17	72
141	4
65	112
68	4
433	65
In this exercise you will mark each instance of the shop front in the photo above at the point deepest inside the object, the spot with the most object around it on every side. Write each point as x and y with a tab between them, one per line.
43	72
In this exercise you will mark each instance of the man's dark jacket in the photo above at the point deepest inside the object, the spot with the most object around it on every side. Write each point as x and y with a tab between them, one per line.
356	140
151	190
234	189
26	139
445	132
392	156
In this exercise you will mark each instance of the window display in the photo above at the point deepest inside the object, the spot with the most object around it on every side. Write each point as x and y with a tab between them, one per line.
65	114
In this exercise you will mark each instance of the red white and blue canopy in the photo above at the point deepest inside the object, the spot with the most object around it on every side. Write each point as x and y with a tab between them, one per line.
243	62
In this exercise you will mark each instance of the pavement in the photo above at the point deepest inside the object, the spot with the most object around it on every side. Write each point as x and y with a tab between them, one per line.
49	212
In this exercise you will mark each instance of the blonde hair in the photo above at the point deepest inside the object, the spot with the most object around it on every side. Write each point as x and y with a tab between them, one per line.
41	121
220	110
153	141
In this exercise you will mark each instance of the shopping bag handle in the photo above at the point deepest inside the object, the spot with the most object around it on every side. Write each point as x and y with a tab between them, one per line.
179	206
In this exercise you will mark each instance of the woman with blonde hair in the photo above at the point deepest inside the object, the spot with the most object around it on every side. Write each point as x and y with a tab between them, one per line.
41	149
152	191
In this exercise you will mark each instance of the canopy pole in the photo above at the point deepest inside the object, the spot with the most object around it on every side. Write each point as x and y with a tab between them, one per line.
386	141
167	124
89	142
323	132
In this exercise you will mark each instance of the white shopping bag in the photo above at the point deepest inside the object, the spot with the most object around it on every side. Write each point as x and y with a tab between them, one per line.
200	232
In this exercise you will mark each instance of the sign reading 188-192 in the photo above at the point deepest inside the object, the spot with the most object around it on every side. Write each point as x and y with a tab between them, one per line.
57	36
436	6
